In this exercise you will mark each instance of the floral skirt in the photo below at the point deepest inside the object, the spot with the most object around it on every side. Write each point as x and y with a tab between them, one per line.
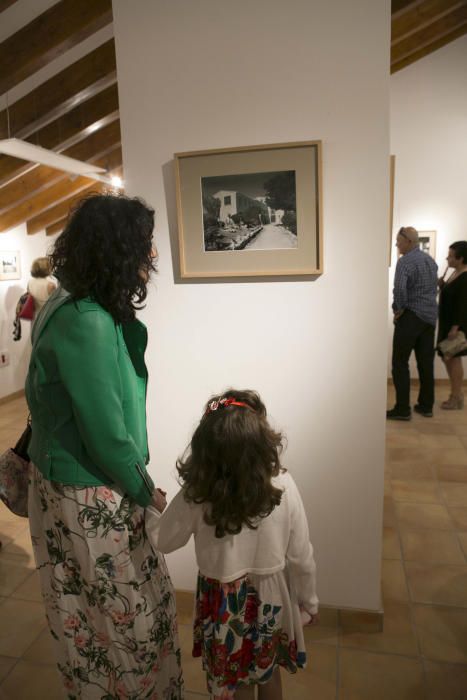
108	596
243	630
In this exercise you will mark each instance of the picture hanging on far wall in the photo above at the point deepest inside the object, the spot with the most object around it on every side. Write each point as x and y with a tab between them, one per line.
10	265
427	242
250	211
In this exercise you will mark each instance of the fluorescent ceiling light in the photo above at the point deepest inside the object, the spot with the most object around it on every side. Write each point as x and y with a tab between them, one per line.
37	154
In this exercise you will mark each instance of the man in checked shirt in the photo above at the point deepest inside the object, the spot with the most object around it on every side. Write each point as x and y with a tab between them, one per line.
415	313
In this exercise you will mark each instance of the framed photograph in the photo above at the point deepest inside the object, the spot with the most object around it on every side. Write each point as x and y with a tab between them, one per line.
392	174
427	240
250	211
10	265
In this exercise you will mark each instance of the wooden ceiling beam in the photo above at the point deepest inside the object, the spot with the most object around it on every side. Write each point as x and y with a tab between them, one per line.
41	177
426	50
421	15
56	193
430	34
75	84
5	4
94	114
398	6
58	29
60	212
57	227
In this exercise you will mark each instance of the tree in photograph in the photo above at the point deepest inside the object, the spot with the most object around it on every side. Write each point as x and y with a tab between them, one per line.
280	194
211	210
251	215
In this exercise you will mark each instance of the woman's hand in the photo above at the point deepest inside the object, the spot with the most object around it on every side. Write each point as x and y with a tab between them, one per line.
159	500
453	332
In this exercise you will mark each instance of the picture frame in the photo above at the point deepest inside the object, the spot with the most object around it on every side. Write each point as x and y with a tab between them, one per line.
427	242
392	176
250	211
10	265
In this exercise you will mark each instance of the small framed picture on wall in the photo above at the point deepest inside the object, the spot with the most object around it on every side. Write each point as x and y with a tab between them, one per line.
427	241
10	265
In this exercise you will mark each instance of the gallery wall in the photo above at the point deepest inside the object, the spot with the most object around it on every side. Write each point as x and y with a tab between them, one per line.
198	76
429	140
30	247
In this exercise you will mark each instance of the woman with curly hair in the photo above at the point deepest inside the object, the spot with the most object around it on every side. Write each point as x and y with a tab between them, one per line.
108	596
256	581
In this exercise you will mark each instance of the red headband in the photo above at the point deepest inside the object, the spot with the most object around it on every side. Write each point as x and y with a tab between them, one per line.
222	403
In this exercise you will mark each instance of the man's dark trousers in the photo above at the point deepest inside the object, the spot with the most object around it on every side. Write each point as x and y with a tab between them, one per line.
411	333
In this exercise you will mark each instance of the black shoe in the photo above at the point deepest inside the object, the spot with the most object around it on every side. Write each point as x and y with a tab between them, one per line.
426	412
396	414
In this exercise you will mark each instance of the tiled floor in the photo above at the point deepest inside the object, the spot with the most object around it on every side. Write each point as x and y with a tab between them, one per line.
420	655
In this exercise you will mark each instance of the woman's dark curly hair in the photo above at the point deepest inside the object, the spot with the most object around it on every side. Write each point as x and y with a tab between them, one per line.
229	464
105	252
459	248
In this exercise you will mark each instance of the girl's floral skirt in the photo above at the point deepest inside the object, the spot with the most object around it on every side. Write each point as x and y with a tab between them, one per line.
243	630
108	596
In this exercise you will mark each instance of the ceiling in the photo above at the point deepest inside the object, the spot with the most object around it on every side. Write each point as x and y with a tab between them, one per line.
58	71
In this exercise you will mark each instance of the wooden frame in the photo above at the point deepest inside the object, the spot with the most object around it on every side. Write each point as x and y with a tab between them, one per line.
266	219
10	265
427	241
392	173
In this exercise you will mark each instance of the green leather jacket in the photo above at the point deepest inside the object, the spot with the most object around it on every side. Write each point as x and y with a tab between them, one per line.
86	391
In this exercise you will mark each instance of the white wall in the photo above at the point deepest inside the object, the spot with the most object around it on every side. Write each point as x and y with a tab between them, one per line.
195	76
30	247
429	140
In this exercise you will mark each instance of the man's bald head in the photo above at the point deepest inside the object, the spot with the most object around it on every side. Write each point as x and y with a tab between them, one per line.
407	239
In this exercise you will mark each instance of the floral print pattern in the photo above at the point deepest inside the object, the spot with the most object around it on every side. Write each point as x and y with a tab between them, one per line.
108	596
240	637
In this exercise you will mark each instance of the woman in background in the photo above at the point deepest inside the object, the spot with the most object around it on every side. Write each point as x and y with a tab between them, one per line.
41	284
453	318
108	596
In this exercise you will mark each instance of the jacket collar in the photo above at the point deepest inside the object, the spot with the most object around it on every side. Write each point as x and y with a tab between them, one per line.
56	299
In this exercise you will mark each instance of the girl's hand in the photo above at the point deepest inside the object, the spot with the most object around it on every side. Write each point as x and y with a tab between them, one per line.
308	618
159	500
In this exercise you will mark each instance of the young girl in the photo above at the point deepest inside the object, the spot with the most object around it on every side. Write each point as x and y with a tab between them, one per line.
256	581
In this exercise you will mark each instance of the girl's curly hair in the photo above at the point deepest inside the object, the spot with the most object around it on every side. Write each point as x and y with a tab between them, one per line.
229	464
105	252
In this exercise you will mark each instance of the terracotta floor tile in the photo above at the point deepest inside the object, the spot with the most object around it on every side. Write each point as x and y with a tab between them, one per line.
366	676
410	438
317	680
437	584
28	681
13	572
434	427
30	589
397	636
459	517
431	546
462	536
442	632
185	603
412	471
326	631
393	581
391	544
446	681
451	473
455	494
454	456
415	491
417	516
22	621
434	441
411	454
42	650
389	512
460	428
6	664
193	674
